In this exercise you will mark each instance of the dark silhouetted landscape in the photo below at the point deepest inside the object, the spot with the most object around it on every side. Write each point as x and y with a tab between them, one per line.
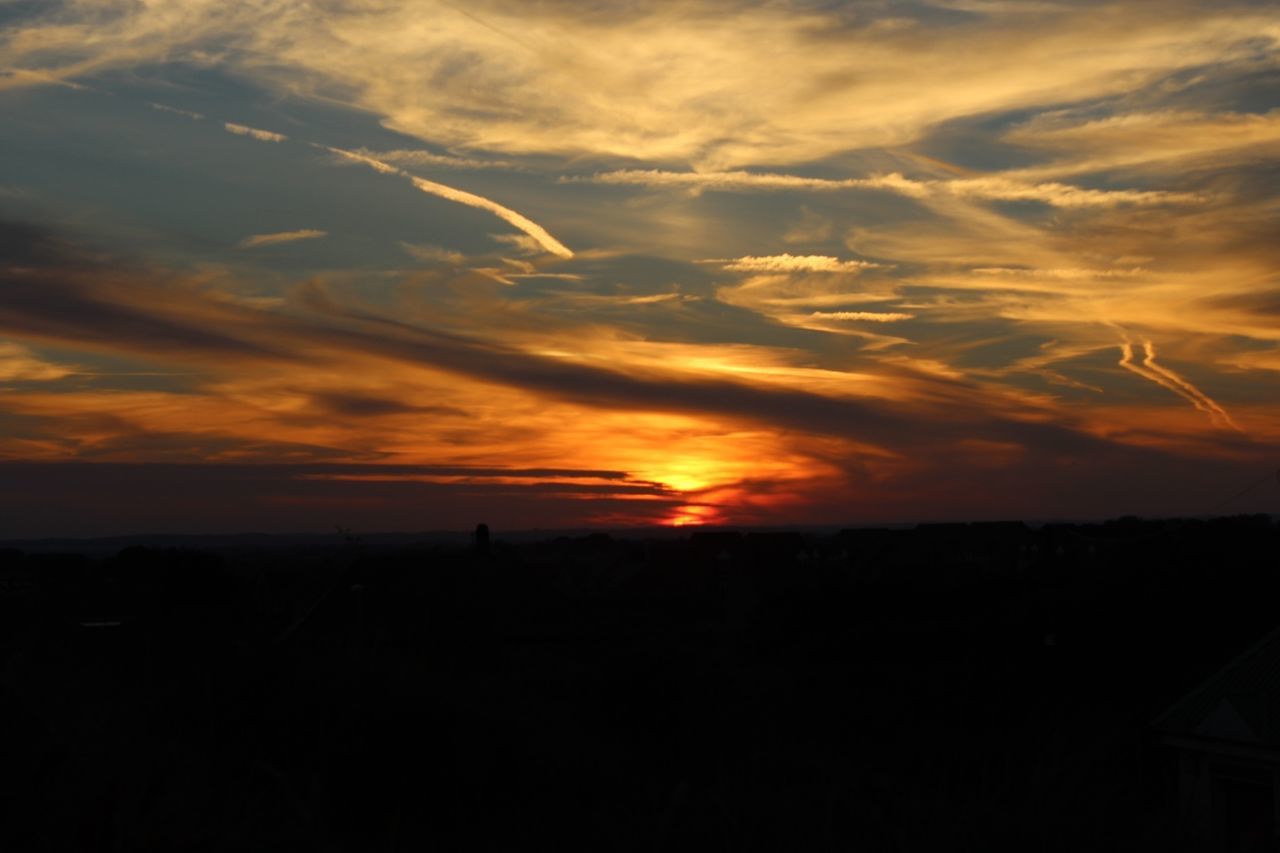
963	687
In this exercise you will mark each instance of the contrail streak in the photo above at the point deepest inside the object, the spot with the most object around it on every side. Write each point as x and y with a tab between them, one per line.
521	222
1166	378
1205	404
1126	361
1126	350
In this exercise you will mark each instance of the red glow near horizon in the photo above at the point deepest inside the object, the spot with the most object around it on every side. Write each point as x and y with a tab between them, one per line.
693	515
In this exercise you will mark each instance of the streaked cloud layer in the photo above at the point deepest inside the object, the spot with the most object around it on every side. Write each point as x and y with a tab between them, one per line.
255	240
615	263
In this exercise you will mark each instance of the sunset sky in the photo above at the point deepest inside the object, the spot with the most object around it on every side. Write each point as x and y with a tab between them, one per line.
281	265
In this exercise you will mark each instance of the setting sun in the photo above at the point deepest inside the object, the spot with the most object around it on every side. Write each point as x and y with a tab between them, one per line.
693	515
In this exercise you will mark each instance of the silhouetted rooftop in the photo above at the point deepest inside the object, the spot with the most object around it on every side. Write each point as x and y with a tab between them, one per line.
1241	702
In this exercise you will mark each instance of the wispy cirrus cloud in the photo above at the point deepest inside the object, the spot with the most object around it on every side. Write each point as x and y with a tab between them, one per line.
750	382
988	188
331	376
410	157
871	316
667	69
433	254
14	78
534	231
1069	274
793	263
1147	141
255	240
21	364
1000	188
732	181
164	108
252	132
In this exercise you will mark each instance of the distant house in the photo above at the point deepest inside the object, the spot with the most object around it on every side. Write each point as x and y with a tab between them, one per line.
871	551
775	549
1002	549
716	546
1227	735
17	580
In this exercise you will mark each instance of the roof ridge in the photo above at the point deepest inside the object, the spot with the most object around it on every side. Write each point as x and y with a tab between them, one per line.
1207	684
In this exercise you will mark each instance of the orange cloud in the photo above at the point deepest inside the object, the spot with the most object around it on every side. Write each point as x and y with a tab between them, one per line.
254	133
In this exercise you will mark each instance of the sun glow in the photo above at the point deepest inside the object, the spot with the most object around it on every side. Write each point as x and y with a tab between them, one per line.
692	475
693	515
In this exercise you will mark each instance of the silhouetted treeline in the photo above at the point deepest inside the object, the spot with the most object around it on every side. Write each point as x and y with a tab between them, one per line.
958	687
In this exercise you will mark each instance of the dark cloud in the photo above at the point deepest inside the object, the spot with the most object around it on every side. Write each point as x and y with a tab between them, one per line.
23	243
56	291
89	499
876	421
60	308
164	322
960	445
1113	480
409	471
365	405
130	443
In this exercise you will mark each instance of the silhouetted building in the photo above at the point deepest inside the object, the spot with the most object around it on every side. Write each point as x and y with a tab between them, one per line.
869	551
1227	735
774	549
1003	549
16	577
717	545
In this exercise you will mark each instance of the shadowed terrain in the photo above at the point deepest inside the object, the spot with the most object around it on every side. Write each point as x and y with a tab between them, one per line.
959	687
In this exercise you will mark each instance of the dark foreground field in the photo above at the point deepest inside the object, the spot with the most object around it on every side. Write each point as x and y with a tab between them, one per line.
944	688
